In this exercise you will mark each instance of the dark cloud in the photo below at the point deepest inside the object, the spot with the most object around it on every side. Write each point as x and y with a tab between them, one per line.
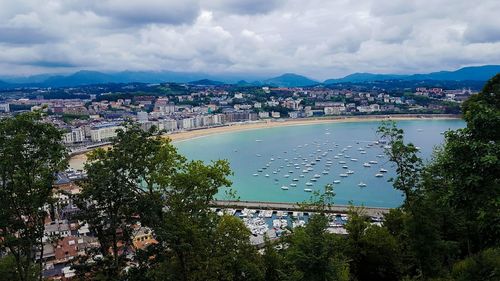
28	36
244	7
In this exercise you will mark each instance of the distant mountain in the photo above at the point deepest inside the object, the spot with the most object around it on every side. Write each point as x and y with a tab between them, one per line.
85	77
290	80
79	78
472	73
5	85
364	77
206	82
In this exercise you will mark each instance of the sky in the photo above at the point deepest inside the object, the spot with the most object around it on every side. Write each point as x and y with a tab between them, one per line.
317	38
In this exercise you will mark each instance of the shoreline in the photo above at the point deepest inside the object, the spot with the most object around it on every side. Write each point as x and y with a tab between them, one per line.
264	124
78	158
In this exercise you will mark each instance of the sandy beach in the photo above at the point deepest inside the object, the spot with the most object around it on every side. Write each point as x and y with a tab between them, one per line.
77	161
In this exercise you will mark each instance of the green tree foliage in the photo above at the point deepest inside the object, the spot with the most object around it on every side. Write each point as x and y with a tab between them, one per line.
451	204
484	266
30	155
142	179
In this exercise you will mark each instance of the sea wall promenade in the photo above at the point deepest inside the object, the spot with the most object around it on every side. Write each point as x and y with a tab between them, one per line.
285	206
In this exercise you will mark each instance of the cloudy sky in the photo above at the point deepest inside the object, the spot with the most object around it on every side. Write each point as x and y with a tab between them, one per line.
318	38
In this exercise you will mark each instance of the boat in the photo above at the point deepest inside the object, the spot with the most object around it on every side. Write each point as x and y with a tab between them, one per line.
305	171
310	169
382	170
325	172
350	172
343	175
258	155
354	159
366	164
301	176
317	176
361	184
380	155
314	179
284	187
255	174
345	167
267	175
373	162
379	175
363	152
307	190
342	162
293	184
286	176
274	172
295	180
336	181
258	140
309	183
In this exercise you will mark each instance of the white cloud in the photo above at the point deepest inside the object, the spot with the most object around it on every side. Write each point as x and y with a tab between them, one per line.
319	38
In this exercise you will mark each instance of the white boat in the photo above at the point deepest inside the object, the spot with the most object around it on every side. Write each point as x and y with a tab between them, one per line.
301	176
349	146
258	140
350	172
258	155
366	164
310	169
293	184
361	184
305	171
336	181
307	190
309	183
345	167
380	155
363	152
274	172
255	174
382	170
325	172
373	162
284	187
336	157
354	159
343	175
286	176
379	175
314	179
317	176
295	180
267	175
342	162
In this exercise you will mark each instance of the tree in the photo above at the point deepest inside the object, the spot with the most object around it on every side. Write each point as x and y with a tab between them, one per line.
314	254
451	204
31	152
143	180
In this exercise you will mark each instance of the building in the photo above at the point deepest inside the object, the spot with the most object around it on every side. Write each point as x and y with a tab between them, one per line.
142	116
4	107
57	229
104	132
76	135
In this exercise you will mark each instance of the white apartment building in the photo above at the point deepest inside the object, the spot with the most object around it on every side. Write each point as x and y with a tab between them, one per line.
104	132
75	136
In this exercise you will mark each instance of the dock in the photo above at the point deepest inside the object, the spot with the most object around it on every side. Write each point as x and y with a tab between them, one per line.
287	206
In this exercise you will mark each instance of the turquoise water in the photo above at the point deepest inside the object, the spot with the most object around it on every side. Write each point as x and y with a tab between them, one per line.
249	151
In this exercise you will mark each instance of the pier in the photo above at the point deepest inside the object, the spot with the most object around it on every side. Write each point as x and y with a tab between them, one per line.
286	206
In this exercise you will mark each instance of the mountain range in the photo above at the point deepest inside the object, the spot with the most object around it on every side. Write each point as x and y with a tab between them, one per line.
85	77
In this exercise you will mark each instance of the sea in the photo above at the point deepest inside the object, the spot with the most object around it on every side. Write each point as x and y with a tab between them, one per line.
276	164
